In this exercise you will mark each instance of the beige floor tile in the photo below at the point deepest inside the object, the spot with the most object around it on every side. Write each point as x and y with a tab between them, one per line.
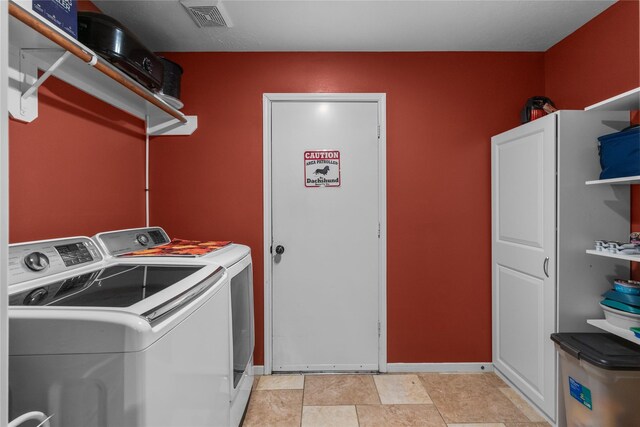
463	381
322	390
470	398
399	416
277	408
477	425
256	380
538	424
329	416
281	382
401	389
494	379
521	404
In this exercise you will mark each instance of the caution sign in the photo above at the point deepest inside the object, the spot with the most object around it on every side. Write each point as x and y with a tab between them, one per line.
322	168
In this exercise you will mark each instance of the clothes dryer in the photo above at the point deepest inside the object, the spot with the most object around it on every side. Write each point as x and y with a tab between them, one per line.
154	243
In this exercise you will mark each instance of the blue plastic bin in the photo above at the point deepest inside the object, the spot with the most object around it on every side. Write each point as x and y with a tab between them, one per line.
620	154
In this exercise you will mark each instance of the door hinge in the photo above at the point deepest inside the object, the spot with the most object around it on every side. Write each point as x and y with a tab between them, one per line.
378	230
378	131
379	328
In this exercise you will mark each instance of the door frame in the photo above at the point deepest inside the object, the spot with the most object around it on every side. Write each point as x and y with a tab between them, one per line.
4	212
267	101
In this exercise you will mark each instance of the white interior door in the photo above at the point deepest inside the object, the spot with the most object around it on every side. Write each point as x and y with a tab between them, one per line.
524	253
325	215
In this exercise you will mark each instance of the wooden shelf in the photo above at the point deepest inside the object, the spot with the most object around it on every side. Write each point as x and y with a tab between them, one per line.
36	44
624	102
616	181
634	258
621	332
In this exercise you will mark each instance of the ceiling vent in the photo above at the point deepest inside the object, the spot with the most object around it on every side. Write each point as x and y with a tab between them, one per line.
208	13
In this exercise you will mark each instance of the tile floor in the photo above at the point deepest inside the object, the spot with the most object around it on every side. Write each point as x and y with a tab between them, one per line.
429	400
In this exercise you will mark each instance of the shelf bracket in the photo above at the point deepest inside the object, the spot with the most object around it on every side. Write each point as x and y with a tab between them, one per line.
24	81
163	127
22	75
31	90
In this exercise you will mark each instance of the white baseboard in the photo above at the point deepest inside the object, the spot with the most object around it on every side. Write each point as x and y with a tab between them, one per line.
422	367
440	367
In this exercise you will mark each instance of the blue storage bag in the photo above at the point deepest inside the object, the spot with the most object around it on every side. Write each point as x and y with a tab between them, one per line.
620	153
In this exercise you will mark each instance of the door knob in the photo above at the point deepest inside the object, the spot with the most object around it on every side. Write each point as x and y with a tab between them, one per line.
279	249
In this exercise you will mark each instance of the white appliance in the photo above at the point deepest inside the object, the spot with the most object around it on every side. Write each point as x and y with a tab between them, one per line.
108	342
236	259
544	220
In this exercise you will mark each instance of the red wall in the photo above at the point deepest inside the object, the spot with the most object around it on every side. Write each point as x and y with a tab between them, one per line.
601	59
76	170
80	165
442	109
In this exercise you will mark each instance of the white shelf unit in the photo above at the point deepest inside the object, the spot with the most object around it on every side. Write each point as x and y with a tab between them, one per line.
621	332
627	101
634	258
31	51
625	180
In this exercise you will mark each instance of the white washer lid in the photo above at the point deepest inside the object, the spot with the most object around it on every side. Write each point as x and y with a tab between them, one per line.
38	330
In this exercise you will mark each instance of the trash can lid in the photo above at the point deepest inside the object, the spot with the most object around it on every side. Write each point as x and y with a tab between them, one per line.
606	351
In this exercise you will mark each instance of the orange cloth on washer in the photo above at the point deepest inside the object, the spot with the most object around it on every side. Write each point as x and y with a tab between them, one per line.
180	247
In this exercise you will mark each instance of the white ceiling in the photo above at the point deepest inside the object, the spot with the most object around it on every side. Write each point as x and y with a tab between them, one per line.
359	25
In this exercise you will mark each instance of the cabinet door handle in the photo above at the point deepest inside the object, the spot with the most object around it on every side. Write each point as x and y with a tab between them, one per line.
545	266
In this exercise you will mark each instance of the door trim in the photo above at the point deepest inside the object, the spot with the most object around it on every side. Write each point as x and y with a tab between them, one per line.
4	213
381	100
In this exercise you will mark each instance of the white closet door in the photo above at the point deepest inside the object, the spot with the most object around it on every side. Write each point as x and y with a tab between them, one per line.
524	254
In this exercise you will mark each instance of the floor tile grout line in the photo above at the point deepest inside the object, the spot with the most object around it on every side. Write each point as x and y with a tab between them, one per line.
377	390
432	401
304	381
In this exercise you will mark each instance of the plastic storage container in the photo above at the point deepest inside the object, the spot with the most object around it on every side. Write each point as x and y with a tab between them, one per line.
619	318
627	286
620	153
600	375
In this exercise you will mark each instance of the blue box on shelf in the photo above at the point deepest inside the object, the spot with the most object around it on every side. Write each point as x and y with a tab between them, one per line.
62	13
620	153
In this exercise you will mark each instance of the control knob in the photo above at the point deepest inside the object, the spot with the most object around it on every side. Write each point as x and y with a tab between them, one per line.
36	261
142	239
36	297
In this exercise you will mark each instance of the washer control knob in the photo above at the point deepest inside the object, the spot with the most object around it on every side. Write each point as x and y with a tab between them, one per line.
142	239
36	261
35	297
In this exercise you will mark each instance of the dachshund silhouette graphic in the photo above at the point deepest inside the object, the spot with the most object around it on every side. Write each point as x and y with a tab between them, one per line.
323	171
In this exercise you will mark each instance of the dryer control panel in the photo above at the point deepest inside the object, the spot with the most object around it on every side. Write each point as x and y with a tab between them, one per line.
33	260
124	241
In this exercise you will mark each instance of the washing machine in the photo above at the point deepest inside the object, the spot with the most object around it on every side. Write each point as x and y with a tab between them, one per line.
104	342
154	243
